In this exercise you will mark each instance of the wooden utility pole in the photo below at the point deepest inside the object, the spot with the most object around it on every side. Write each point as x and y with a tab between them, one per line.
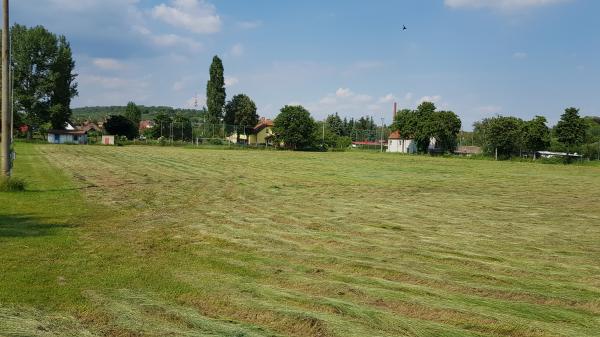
6	115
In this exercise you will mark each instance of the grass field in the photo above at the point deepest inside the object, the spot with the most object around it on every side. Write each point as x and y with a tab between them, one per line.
151	241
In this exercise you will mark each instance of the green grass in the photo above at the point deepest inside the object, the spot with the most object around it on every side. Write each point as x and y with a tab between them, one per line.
12	185
159	241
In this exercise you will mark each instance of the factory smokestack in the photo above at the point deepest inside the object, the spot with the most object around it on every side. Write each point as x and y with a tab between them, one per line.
395	110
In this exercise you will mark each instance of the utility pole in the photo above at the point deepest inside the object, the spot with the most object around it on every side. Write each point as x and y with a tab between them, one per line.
6	122
382	126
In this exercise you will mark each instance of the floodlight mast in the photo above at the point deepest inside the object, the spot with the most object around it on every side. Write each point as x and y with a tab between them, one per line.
6	105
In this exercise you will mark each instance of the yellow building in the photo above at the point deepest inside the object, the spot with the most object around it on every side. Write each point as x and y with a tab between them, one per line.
262	133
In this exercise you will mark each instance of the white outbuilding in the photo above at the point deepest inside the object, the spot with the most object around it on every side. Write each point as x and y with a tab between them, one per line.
67	137
399	144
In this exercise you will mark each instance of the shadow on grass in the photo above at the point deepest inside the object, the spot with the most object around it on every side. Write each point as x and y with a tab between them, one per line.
18	226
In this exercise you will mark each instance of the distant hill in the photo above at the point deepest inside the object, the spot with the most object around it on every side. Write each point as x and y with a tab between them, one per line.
98	113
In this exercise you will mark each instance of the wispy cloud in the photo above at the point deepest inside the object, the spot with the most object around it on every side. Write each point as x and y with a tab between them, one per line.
230	81
107	64
237	49
501	4
196	16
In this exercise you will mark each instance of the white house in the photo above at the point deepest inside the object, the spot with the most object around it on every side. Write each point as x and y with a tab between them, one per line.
397	144
67	137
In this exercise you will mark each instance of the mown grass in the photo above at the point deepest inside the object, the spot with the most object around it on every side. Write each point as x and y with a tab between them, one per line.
12	185
156	241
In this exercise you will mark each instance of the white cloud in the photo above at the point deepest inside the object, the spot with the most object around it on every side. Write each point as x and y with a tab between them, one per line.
249	24
237	50
432	99
185	82
344	92
501	4
197	16
387	98
108	64
108	82
171	40
520	55
231	81
168	40
362	98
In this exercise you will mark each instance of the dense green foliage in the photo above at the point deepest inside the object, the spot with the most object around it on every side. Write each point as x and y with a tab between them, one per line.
44	82
100	113
513	136
571	129
536	134
120	126
215	92
241	112
426	123
133	113
336	133
177	127
295	127
504	134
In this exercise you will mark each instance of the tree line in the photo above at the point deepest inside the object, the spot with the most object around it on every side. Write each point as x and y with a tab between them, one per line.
509	136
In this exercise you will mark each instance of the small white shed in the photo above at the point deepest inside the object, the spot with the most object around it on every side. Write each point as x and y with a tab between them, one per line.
397	144
108	140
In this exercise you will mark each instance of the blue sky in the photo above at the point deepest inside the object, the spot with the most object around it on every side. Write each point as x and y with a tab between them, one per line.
475	57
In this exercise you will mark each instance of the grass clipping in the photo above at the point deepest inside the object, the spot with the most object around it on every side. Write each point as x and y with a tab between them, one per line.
12	185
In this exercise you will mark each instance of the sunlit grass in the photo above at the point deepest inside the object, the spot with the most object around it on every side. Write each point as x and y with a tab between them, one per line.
161	241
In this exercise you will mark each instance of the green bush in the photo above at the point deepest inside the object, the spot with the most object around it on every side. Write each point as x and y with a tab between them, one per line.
215	141
162	141
12	185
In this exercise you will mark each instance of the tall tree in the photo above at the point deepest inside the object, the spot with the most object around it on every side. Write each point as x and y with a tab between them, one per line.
335	124
64	87
571	129
120	126
295	127
241	111
215	91
504	134
444	127
536	134
133	113
44	82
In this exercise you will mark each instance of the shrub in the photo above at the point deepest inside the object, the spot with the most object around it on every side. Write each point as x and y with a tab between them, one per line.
12	185
162	141
215	141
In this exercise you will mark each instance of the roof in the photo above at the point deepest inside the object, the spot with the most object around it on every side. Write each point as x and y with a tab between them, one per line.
378	143
68	132
559	154
147	124
395	135
90	126
263	123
